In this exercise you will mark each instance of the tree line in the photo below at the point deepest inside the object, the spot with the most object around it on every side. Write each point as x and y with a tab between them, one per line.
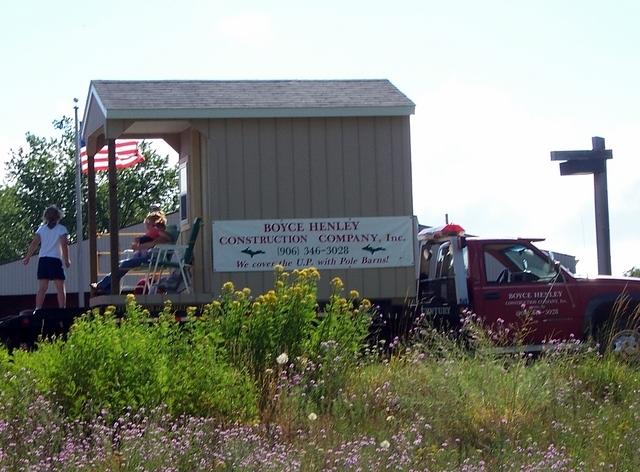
43	172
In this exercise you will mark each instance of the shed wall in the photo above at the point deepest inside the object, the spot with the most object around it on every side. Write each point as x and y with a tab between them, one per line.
306	168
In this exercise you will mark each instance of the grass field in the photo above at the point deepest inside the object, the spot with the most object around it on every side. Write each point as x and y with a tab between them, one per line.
263	383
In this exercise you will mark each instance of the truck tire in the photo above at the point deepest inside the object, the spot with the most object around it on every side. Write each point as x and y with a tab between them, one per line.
615	326
619	338
625	343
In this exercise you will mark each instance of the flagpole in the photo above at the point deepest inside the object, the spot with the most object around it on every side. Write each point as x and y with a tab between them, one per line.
79	238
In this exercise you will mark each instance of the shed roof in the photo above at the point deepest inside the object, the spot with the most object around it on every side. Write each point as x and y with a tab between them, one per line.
197	99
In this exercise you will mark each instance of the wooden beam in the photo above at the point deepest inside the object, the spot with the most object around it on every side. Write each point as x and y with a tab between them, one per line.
590	166
113	217
91	218
581	155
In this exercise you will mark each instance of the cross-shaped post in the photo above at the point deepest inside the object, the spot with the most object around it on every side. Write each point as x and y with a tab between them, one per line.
594	162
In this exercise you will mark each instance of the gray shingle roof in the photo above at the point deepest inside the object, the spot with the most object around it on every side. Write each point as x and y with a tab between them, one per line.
248	94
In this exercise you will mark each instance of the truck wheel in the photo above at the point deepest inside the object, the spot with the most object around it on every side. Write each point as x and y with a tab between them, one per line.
619	339
625	343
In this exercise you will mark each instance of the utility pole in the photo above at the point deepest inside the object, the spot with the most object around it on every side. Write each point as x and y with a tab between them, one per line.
594	162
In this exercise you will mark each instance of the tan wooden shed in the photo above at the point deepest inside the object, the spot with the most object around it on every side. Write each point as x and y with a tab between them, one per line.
277	149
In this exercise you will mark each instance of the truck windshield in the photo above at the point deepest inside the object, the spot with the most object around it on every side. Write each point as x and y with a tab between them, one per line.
517	263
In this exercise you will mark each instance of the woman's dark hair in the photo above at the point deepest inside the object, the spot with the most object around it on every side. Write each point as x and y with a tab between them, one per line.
52	215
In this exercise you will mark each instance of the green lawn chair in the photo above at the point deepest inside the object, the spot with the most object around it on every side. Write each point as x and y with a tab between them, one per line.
178	257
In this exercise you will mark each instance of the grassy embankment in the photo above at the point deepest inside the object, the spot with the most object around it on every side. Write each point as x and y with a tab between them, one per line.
264	384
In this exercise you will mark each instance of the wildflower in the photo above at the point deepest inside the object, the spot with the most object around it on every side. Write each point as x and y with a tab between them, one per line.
337	283
282	358
390	418
385	445
131	298
312	416
270	297
311	273
278	268
354	294
228	287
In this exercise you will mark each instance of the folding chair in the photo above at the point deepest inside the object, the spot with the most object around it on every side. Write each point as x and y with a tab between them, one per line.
173	256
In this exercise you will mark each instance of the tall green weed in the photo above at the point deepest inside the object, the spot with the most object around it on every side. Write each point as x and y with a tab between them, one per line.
285	342
136	362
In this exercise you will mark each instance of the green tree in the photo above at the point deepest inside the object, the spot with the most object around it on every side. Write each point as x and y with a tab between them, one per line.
13	243
633	272
43	173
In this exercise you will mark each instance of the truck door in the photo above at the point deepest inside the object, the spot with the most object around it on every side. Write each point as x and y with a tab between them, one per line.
523	290
437	291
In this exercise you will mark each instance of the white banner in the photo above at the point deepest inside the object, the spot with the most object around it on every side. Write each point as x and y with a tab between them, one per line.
323	243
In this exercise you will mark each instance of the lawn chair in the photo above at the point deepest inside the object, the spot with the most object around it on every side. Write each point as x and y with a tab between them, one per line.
173	256
140	285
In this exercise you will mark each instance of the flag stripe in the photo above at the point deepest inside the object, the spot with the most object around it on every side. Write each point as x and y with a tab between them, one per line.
127	155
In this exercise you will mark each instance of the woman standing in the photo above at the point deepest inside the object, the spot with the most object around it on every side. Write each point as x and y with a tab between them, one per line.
53	240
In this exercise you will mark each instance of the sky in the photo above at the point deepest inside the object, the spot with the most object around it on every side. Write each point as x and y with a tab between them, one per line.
497	85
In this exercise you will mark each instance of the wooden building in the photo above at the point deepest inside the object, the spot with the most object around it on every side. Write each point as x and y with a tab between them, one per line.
252	150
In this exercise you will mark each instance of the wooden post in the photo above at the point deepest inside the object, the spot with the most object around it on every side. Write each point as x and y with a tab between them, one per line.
113	218
91	218
601	198
594	162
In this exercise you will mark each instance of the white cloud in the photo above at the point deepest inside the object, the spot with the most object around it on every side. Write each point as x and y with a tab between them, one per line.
246	29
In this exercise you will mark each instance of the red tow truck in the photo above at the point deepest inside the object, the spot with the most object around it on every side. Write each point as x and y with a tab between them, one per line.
513	282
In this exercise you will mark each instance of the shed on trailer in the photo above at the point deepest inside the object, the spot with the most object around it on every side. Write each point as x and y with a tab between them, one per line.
283	150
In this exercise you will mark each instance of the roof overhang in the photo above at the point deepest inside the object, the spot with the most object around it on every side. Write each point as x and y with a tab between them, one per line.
102	122
222	113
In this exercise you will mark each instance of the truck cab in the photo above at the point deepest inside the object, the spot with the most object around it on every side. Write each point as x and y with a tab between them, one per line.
513	283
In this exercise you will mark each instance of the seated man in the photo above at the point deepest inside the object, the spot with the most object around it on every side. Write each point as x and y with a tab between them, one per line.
155	233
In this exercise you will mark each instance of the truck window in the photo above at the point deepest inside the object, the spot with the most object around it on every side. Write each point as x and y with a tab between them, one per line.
516	263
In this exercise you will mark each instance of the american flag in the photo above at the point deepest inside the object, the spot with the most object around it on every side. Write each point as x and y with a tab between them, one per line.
127	155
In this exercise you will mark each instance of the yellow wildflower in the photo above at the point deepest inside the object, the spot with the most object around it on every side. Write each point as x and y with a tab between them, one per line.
337	283
314	273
